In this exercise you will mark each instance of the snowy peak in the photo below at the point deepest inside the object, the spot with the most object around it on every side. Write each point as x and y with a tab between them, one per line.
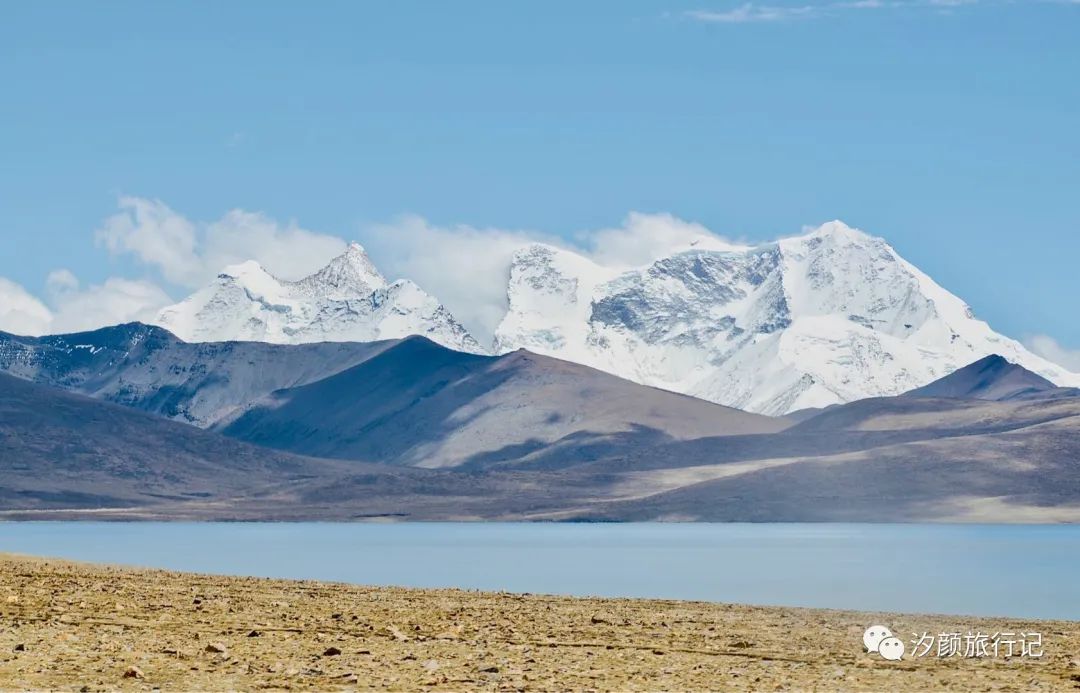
827	317
350	275
348	300
253	279
549	293
830	316
837	270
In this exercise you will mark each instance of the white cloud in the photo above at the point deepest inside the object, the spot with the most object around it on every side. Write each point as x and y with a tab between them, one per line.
286	250
463	266
182	251
73	309
113	302
1049	348
60	283
189	253
20	312
750	12
467	268
155	235
644	237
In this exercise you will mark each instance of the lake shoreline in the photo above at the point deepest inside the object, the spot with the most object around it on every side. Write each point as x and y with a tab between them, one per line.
986	511
68	625
986	570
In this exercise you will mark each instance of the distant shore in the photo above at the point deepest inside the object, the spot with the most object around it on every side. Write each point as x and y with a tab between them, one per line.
73	626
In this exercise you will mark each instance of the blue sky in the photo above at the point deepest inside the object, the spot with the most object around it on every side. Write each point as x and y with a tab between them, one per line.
948	127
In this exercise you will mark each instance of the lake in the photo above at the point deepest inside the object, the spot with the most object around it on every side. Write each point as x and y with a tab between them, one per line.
986	570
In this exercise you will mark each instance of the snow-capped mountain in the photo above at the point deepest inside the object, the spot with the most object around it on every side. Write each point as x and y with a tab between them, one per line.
829	317
349	300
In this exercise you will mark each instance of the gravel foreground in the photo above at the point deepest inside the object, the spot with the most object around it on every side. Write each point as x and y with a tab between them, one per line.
81	627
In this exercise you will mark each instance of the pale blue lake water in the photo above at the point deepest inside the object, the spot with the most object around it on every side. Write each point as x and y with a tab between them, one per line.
1017	571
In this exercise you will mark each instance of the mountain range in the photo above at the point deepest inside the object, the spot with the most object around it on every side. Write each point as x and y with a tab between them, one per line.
148	368
410	429
407	401
421	404
346	301
67	455
820	377
829	317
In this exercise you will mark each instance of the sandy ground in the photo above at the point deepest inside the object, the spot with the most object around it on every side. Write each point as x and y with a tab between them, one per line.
70	626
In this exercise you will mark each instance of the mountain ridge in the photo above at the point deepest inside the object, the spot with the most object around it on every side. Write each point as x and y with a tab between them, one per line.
148	368
418	403
347	300
60	449
831	316
898	459
802	323
993	378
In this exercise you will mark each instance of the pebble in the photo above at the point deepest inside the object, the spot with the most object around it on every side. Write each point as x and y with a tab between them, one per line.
541	643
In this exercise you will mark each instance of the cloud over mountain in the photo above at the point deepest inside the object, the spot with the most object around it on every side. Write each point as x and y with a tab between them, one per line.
189	253
73	308
466	268
21	312
1049	348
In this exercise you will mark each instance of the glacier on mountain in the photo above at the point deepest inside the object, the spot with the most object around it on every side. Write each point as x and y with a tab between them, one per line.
349	300
828	317
824	318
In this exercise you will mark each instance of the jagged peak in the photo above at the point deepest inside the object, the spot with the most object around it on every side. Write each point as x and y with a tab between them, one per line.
347	300
351	274
355	256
